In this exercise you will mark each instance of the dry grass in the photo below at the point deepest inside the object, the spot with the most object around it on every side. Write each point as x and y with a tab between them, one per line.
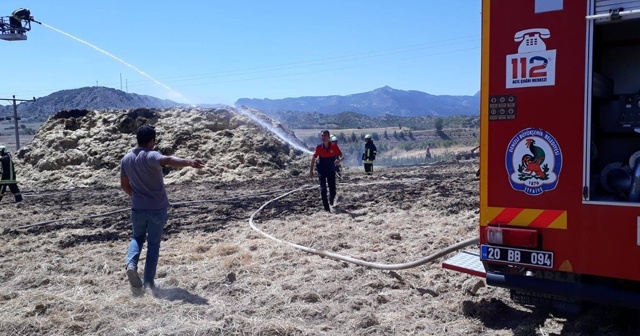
419	153
218	277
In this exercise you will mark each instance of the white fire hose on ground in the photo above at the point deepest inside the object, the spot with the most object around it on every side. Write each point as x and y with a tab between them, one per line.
428	259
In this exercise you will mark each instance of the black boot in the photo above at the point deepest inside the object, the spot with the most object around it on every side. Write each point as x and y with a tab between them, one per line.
326	205
18	198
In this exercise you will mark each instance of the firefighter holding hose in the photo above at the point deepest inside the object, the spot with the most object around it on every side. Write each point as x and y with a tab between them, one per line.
16	18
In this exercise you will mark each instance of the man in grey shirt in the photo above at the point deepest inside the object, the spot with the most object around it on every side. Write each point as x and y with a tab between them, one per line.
141	178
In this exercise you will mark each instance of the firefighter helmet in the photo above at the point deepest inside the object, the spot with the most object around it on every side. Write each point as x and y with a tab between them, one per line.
368	136
333	138
3	150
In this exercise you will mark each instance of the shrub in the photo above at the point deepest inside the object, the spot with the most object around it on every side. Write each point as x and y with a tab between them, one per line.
439	124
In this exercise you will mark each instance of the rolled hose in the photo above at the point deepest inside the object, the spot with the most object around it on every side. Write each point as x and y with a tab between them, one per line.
428	259
634	193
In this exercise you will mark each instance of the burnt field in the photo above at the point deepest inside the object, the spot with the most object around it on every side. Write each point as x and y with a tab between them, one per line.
62	270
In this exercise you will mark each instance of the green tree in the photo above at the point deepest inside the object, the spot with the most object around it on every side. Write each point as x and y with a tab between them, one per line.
402	136
411	135
439	124
342	137
395	134
354	138
375	136
386	135
362	136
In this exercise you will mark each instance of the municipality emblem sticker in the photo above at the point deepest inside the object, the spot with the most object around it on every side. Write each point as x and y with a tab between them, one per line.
534	161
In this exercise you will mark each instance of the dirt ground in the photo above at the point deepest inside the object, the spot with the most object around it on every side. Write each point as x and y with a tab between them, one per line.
217	276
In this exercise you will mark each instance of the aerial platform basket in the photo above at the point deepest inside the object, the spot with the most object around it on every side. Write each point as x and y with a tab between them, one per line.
9	33
13	37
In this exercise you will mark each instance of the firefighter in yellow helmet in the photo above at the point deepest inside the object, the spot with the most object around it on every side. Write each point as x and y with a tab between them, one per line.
369	154
8	175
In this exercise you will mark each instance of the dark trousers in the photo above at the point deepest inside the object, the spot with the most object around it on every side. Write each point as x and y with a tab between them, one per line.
368	168
14	190
331	179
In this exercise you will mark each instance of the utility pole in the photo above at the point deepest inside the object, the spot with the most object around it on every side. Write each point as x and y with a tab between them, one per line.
15	116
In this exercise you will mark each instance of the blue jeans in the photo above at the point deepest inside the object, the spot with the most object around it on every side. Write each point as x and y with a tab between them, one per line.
147	225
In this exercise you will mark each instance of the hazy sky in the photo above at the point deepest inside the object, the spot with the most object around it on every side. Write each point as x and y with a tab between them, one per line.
219	51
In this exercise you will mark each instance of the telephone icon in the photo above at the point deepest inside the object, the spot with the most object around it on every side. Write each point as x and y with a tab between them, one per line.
531	39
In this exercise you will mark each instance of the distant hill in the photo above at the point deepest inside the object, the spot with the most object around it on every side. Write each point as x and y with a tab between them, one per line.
315	120
89	98
382	101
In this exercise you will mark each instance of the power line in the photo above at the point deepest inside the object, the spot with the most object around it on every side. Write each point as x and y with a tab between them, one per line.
308	72
312	63
327	70
347	57
301	66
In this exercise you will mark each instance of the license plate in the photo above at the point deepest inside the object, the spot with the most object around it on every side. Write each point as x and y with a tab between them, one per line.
516	256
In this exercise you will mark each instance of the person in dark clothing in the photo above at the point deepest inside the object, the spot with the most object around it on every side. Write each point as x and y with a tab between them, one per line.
16	18
326	154
8	175
369	154
334	141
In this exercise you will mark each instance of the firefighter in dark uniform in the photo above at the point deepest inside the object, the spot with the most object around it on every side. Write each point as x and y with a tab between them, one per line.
334	141
326	154
8	175
16	18
369	154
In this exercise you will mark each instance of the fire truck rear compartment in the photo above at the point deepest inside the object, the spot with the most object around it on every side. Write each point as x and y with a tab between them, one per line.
614	143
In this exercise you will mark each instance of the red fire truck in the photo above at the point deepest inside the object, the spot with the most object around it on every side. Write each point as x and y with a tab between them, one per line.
560	152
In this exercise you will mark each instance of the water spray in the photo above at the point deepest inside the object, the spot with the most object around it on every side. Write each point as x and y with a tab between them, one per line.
121	61
285	137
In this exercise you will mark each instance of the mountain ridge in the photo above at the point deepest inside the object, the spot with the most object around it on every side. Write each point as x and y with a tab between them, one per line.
381	101
89	98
